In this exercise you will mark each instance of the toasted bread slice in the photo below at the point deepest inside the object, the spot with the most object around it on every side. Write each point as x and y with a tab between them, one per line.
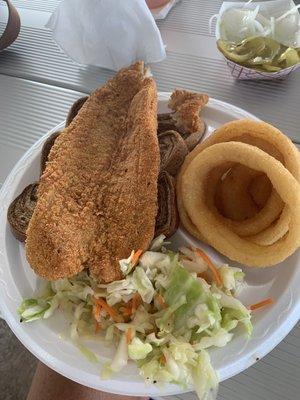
166	122
51	139
46	149
74	110
167	219
173	151
20	211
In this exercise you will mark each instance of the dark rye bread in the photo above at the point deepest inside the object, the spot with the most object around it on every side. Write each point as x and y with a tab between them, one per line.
74	110
167	219
46	149
165	122
173	151
20	211
192	139
51	139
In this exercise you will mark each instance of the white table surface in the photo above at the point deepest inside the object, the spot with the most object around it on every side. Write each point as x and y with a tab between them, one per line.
38	83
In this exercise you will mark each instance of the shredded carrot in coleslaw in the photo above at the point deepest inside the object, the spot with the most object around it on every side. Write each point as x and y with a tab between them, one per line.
113	313
260	304
210	265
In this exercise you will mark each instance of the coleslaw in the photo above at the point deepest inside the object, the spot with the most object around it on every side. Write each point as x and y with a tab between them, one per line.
170	308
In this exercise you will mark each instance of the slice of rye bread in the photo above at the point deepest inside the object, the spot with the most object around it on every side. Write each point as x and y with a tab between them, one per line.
74	110
165	122
50	141
173	151
20	211
167	219
192	139
46	149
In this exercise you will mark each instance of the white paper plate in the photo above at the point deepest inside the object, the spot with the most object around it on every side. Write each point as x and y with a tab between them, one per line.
44	339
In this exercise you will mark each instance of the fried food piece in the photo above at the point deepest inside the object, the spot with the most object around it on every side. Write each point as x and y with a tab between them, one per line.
260	190
234	200
274	232
20	211
97	199
268	139
74	110
185	116
242	192
215	231
187	107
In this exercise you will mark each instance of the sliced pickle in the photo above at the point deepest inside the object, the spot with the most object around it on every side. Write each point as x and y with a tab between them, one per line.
228	50
290	57
261	53
271	68
253	44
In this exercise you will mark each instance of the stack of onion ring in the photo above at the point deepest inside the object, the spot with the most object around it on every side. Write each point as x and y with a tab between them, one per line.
239	191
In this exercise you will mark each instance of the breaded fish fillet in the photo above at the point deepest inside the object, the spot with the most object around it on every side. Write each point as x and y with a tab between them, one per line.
97	198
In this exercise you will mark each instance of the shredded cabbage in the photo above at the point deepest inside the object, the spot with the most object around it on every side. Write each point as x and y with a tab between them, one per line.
138	350
158	243
88	354
121	357
205	378
174	315
126	264
37	308
231	277
143	284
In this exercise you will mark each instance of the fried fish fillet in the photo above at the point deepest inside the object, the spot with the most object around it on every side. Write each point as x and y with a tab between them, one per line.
97	198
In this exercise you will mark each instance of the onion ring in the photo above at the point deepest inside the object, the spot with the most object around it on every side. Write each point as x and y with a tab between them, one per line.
273	207
232	197
215	231
274	232
189	226
259	134
269	139
259	221
260	189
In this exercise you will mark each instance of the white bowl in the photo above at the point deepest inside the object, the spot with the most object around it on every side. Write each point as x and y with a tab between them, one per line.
44	339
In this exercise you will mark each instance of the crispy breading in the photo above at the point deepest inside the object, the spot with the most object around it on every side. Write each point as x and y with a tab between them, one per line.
97	198
187	107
